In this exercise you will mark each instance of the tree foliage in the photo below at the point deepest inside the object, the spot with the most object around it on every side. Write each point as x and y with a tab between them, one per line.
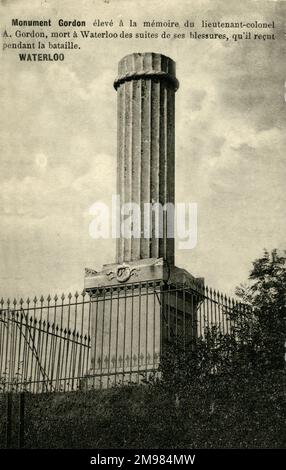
266	294
256	341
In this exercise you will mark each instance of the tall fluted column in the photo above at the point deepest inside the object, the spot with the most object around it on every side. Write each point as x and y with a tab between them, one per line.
136	304
146	86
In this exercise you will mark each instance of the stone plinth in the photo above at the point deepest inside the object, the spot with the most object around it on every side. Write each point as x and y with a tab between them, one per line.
152	269
137	308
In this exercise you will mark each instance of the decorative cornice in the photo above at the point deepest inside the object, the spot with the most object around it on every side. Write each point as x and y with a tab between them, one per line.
123	272
90	272
145	74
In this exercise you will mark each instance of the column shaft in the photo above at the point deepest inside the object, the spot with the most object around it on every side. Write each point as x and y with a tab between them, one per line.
146	153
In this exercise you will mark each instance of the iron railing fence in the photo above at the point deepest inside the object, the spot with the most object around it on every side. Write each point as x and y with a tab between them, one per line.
116	334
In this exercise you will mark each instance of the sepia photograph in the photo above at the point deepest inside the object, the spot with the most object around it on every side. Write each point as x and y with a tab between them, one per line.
142	243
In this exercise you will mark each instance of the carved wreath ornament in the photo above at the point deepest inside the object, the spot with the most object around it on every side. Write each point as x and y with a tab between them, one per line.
122	273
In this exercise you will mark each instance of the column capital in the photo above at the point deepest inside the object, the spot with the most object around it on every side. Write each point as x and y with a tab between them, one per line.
147	65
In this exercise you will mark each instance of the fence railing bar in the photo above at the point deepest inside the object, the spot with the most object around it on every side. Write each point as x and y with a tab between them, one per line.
117	331
76	336
88	334
110	334
80	360
58	368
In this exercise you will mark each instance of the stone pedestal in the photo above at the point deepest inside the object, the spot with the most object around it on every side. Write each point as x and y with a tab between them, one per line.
138	308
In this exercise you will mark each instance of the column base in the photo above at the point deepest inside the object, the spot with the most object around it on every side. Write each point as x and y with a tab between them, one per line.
151	269
137	310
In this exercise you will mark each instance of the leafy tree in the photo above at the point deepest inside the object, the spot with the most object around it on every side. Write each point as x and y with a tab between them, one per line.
256	341
266	295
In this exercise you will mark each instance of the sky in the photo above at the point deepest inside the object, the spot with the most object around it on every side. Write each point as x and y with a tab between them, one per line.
58	144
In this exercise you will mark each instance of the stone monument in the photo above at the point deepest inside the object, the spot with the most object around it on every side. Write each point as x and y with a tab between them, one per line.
146	87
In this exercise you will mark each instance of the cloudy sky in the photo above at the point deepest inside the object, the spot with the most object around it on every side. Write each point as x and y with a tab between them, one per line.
58	144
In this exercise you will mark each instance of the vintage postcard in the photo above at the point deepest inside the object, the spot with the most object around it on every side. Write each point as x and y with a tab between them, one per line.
142	240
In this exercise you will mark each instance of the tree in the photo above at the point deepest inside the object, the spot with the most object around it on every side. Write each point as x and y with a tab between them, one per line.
266	295
256	341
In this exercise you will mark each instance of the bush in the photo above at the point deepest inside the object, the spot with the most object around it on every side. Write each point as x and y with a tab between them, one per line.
217	411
